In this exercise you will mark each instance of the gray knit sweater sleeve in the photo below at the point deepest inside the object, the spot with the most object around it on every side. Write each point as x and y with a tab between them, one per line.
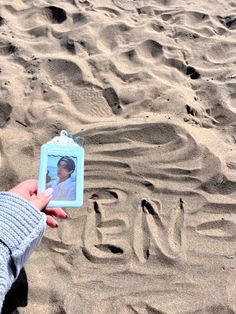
21	229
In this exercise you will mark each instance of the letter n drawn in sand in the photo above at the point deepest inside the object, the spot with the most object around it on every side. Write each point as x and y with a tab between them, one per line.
154	237
103	237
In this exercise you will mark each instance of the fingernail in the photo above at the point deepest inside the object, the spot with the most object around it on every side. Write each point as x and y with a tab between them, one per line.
48	192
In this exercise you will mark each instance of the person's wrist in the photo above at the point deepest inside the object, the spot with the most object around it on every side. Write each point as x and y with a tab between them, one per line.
17	218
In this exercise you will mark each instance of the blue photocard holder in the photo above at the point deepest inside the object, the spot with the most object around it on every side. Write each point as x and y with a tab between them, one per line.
62	168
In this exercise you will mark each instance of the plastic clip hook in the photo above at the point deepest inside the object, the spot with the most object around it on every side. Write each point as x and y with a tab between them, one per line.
79	140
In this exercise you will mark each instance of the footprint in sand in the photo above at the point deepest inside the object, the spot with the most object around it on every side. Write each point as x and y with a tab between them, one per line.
194	74
228	21
56	14
5	113
112	99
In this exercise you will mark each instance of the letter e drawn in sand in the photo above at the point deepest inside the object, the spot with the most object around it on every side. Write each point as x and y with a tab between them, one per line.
103	235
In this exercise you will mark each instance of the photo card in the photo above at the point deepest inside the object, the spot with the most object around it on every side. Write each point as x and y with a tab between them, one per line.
62	168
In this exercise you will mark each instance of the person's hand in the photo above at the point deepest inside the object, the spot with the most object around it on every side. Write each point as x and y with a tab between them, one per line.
28	189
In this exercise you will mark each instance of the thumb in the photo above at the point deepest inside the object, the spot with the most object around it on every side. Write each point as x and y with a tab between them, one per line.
41	200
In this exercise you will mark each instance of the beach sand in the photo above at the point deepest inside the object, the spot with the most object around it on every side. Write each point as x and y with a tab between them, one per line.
151	85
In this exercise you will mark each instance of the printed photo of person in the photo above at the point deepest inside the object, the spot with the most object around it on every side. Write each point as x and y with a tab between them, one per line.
60	176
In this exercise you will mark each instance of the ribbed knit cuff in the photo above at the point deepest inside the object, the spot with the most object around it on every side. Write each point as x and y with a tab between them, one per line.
6	274
21	227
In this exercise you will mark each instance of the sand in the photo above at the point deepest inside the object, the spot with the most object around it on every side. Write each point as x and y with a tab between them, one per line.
151	84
